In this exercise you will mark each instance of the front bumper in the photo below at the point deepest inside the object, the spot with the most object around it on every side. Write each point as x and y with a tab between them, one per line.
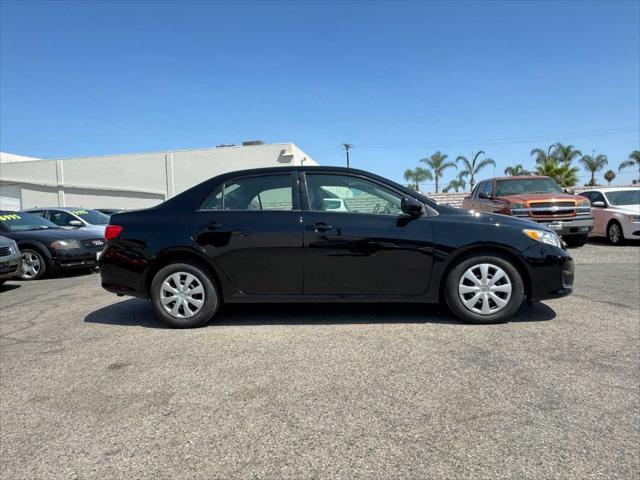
10	266
631	230
77	258
568	226
552	275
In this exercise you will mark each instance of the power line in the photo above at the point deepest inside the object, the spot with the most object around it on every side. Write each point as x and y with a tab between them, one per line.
506	141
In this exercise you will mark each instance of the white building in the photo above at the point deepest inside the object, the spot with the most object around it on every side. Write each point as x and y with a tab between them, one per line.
136	180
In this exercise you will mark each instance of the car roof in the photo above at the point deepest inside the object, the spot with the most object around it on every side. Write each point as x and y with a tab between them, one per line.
516	177
609	189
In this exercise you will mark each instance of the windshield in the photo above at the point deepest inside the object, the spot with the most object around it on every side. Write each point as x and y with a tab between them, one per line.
94	217
526	185
624	197
23	222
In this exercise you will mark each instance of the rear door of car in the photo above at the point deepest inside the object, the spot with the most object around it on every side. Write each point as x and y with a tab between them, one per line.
366	246
250	227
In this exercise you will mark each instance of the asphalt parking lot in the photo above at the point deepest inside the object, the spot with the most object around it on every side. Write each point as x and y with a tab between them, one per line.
93	387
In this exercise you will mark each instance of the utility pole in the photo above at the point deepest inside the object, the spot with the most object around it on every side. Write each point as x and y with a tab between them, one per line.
347	147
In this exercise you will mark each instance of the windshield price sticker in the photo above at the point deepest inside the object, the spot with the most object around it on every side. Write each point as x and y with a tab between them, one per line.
9	216
80	212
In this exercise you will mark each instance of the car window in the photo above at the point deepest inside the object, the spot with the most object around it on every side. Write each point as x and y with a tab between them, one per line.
586	194
345	193
39	213
268	192
61	218
479	187
624	197
94	217
488	188
518	186
22	222
596	197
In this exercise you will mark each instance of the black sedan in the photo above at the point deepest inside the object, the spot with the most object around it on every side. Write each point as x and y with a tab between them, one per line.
46	247
322	234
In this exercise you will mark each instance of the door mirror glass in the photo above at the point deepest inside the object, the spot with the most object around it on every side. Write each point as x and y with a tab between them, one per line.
411	206
75	223
598	204
484	195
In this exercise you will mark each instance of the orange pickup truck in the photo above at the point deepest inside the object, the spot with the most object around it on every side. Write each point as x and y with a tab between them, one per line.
536	198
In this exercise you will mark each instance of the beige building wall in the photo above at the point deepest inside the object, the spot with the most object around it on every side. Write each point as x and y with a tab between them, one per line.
132	180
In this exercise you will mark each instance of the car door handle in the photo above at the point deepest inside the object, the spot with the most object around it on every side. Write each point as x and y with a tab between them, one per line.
320	227
211	226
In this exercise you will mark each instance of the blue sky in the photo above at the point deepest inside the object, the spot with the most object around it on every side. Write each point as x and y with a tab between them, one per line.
397	80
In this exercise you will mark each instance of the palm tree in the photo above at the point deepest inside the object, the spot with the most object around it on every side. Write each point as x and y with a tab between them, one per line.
516	171
562	172
565	153
633	160
594	164
417	175
455	184
609	175
542	156
438	164
473	167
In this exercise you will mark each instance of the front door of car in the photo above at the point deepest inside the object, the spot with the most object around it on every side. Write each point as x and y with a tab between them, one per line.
250	227
600	214
357	240
485	200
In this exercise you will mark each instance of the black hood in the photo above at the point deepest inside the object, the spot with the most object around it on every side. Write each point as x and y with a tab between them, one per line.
490	218
51	235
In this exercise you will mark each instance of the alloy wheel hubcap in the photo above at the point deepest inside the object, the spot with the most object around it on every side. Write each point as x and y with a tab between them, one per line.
485	289
614	233
31	265
182	295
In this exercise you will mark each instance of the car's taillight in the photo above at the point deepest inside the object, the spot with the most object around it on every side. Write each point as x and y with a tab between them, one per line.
112	231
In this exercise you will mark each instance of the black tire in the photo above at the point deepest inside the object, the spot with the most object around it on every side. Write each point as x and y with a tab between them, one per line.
210	293
615	235
455	303
574	241
31	256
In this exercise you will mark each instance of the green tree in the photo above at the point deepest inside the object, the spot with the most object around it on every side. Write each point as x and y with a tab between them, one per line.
632	161
562	172
565	153
437	164
593	164
455	184
609	175
542	156
516	171
417	176
471	168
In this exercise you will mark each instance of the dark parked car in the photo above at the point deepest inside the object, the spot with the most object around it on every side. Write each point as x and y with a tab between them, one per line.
46	247
10	260
267	235
109	211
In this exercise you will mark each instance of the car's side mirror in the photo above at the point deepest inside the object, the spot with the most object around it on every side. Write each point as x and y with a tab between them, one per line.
598	204
484	195
411	206
570	191
75	223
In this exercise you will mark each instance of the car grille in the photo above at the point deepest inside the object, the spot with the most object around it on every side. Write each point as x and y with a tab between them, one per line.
552	209
4	251
94	243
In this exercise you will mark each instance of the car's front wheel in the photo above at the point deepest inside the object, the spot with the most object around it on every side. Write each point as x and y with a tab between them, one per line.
484	289
614	233
34	265
184	295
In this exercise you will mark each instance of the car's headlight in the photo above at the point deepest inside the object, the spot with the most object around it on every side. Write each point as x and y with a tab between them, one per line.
65	244
543	236
634	218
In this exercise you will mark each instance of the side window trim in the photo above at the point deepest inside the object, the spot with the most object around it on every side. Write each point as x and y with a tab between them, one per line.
295	194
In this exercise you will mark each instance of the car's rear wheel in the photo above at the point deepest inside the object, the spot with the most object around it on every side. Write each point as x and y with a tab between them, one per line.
574	241
484	289
184	295
614	233
34	265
